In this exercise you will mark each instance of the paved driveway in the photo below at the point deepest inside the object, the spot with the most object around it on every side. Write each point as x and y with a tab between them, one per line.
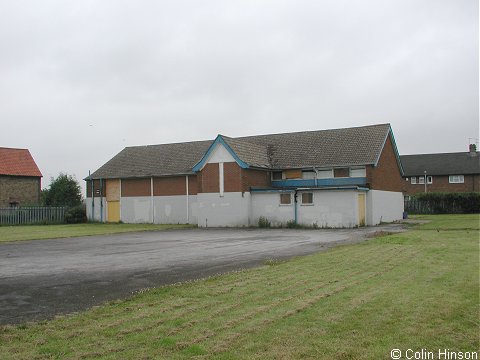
39	279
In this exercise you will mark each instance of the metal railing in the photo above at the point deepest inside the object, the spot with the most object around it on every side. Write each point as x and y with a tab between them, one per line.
32	215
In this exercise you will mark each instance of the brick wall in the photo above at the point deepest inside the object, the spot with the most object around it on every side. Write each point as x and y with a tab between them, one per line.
386	175
258	178
208	181
24	190
164	186
136	187
440	184
232	177
341	172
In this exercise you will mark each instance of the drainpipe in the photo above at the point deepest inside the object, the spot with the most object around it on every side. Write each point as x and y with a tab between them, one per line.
186	185
101	200
295	205
316	176
93	195
152	200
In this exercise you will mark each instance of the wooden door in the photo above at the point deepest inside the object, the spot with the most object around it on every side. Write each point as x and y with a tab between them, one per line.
361	209
113	200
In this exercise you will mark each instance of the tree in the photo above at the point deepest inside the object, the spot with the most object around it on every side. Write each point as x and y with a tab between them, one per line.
63	191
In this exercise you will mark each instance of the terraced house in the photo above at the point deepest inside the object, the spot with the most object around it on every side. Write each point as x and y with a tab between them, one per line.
330	178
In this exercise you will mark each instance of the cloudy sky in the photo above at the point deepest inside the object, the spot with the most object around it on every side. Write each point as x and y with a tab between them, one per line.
80	80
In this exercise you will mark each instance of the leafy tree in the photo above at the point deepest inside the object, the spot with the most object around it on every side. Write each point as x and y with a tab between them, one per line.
63	191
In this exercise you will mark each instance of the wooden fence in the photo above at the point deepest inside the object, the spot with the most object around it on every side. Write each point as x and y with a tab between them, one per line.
32	215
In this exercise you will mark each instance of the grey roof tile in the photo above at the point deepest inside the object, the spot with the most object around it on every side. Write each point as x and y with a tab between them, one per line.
461	163
338	147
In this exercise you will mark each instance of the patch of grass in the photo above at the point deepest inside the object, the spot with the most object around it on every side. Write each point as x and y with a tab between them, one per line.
38	232
449	222
416	290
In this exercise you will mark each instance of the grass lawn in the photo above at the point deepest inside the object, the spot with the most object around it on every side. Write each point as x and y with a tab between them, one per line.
415	290
37	232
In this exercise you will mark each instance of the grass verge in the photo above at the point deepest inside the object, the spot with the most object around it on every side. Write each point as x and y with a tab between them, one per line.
414	290
39	232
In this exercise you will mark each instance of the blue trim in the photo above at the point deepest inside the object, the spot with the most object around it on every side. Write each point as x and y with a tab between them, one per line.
219	140
320	182
397	155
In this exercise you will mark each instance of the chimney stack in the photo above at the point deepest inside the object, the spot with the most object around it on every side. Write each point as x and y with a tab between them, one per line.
473	149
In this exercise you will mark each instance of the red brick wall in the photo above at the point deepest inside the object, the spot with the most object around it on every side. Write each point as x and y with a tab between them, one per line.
258	178
386	175
165	186
441	184
192	185
136	187
232	177
207	178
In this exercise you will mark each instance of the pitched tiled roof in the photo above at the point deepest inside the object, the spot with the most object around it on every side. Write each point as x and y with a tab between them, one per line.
154	160
350	146
17	162
462	163
339	147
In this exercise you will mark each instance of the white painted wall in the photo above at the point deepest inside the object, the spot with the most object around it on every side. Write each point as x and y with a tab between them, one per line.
232	209
136	209
330	209
268	205
219	154
384	206
173	209
96	210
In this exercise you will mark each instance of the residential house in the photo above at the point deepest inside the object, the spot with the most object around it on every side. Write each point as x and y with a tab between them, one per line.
329	178
447	172
20	178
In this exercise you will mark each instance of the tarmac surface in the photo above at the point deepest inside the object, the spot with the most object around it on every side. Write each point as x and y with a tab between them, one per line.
42	278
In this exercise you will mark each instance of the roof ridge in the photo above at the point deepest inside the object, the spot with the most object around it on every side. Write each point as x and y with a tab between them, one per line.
445	153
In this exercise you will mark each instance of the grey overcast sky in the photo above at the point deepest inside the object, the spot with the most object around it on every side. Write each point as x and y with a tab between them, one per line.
80	80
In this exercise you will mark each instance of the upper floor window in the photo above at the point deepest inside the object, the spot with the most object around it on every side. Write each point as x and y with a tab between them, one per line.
421	179
456	179
325	174
276	175
413	179
308	175
358	172
429	179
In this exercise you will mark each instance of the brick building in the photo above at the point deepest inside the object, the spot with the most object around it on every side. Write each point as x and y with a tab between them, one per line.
20	178
448	172
331	178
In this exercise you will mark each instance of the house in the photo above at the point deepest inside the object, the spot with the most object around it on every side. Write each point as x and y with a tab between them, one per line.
329	178
448	172
20	178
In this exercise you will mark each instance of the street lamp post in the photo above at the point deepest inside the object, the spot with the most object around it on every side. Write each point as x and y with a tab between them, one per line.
425	179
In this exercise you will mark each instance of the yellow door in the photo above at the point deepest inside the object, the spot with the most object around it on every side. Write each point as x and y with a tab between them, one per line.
361	209
113	211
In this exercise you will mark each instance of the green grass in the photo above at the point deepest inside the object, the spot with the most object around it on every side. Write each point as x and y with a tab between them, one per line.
417	290
38	232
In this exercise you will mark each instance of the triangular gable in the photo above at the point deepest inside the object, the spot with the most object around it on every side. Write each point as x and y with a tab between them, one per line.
218	141
397	155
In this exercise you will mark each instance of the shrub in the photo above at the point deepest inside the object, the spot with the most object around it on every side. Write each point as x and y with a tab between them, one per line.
444	203
263	222
76	215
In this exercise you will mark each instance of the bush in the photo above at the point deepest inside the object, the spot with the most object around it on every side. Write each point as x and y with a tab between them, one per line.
444	203
263	222
76	215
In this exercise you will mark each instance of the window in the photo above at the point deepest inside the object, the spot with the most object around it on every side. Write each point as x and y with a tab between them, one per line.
13	204
413	180
456	179
308	175
285	199
358	172
307	198
421	180
429	179
277	175
325	174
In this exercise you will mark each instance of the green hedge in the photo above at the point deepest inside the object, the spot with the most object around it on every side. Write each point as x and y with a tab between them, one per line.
444	203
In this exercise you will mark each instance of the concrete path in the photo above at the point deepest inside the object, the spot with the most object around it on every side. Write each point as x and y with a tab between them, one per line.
42	278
